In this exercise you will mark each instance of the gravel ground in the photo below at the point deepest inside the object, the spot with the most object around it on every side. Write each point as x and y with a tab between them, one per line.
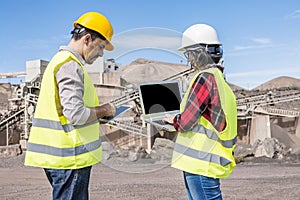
258	178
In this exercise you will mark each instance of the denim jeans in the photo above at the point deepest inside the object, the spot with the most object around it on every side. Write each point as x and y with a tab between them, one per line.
201	187
69	184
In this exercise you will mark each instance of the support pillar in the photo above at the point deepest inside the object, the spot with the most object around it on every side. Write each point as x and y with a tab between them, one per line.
149	137
7	134
151	132
297	127
260	128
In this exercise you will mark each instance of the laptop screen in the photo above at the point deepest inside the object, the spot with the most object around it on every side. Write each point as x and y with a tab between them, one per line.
160	97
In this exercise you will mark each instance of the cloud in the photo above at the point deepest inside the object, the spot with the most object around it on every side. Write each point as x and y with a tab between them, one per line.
33	44
278	72
246	47
148	37
140	41
252	79
145	38
262	40
254	44
259	43
294	15
38	43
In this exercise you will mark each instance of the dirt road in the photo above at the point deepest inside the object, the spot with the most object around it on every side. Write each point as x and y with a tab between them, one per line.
143	181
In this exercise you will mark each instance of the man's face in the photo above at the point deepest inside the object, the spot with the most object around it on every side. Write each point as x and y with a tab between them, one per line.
94	49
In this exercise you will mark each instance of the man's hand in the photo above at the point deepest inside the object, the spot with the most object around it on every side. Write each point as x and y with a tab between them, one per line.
106	110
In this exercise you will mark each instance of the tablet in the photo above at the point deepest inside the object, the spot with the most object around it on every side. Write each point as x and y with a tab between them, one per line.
119	110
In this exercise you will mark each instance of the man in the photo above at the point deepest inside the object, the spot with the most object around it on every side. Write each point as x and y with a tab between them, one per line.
65	134
207	125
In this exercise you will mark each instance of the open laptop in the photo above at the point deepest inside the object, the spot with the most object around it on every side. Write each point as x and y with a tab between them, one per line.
158	99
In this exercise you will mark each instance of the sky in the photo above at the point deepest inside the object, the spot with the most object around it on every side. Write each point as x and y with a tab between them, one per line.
261	38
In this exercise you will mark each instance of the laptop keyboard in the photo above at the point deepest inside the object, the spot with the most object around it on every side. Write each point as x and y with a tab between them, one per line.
164	124
161	122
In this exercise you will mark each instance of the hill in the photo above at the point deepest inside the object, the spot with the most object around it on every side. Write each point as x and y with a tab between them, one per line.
279	82
235	87
144	70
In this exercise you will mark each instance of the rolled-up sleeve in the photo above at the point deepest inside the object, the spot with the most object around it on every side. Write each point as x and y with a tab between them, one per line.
70	80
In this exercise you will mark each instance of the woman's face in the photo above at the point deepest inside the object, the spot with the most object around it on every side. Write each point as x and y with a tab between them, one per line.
199	58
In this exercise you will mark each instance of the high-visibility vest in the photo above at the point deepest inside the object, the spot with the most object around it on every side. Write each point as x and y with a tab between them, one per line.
203	150
53	141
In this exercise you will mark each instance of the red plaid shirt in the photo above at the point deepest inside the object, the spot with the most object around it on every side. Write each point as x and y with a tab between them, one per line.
203	100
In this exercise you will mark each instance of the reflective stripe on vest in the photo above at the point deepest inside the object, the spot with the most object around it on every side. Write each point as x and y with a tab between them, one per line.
213	136
203	150
209	157
53	141
63	152
56	125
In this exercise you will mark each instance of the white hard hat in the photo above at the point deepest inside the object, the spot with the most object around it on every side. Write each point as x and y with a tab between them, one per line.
199	34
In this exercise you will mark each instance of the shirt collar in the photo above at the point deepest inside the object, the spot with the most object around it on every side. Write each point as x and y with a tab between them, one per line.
217	66
74	52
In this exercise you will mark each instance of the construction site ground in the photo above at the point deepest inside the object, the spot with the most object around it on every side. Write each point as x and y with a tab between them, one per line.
255	178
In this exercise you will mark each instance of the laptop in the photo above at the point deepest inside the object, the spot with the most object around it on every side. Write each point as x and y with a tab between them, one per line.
158	99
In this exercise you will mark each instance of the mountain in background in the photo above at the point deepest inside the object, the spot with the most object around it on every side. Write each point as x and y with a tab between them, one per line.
145	70
279	82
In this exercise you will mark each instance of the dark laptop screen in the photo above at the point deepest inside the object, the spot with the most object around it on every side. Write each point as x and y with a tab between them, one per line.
159	97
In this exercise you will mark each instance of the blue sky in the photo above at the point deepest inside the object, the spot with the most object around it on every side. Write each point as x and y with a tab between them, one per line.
261	38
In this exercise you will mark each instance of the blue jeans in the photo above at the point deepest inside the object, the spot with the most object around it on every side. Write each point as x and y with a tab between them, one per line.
69	184
201	187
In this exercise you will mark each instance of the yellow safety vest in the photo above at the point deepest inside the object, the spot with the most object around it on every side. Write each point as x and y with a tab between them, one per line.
204	150
54	142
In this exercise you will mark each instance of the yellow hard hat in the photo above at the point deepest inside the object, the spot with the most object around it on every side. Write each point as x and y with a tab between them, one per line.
99	23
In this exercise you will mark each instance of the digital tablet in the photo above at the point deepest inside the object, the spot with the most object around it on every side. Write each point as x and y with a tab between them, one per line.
119	110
